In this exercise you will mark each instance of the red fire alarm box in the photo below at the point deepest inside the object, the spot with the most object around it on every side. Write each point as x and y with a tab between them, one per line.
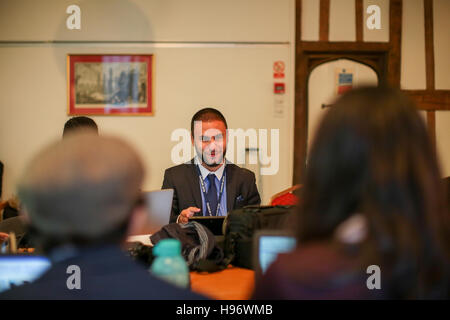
279	88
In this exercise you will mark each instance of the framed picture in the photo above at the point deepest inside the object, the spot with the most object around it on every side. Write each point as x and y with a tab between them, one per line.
110	84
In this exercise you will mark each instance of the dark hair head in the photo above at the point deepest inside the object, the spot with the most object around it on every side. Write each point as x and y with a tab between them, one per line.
372	155
77	123
207	114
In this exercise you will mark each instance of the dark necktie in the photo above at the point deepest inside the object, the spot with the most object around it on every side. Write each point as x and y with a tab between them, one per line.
211	196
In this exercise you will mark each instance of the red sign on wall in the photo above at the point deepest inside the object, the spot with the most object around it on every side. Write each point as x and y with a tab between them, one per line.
278	69
279	88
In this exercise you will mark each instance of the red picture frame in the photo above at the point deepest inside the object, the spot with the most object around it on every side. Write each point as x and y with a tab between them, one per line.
110	84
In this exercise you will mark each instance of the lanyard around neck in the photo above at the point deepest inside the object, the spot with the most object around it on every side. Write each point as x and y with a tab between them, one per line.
202	183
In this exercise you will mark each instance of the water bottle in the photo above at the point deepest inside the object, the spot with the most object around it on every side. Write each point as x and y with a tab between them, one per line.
169	265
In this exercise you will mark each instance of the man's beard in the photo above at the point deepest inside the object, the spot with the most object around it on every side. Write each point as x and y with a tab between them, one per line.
217	162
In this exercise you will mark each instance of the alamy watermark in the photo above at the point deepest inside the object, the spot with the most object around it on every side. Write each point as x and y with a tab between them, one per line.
374	20
259	143
73	22
374	280
74	280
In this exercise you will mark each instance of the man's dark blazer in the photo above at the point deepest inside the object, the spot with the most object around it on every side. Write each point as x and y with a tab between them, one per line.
106	273
241	188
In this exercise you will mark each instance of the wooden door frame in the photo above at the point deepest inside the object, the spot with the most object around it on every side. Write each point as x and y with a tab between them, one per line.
311	58
383	58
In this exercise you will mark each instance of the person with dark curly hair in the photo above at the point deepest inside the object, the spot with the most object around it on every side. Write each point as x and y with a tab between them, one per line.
372	199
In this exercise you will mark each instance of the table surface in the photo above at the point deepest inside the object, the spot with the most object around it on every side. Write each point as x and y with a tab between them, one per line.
232	283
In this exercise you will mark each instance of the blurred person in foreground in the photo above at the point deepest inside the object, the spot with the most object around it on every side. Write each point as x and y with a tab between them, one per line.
372	196
81	197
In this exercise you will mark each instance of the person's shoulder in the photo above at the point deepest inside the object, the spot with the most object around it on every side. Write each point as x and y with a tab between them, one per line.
240	171
124	287
44	288
315	271
180	167
117	277
15	294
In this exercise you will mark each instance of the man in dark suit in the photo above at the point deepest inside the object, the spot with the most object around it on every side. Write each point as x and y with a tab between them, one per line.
208	185
82	197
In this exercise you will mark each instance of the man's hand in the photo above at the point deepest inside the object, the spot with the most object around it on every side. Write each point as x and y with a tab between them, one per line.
186	214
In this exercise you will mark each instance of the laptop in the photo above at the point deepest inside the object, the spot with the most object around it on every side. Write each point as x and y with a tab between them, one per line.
267	245
159	206
16	270
213	223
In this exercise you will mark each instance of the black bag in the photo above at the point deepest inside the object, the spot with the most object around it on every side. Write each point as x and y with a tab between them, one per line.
198	247
241	224
141	253
197	243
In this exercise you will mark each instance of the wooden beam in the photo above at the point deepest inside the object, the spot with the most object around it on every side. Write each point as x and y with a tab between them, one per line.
359	20
395	40
429	72
298	24
430	100
332	47
431	125
301	118
429	46
324	20
300	125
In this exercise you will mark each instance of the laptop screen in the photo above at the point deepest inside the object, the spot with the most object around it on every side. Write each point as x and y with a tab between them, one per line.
16	270
269	245
214	224
159	205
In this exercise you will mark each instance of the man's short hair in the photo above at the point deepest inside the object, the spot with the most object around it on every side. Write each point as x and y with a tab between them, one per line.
79	123
82	187
207	114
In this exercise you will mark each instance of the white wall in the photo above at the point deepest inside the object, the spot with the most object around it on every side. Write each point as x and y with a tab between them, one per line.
342	20
150	20
310	20
195	69
413	46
